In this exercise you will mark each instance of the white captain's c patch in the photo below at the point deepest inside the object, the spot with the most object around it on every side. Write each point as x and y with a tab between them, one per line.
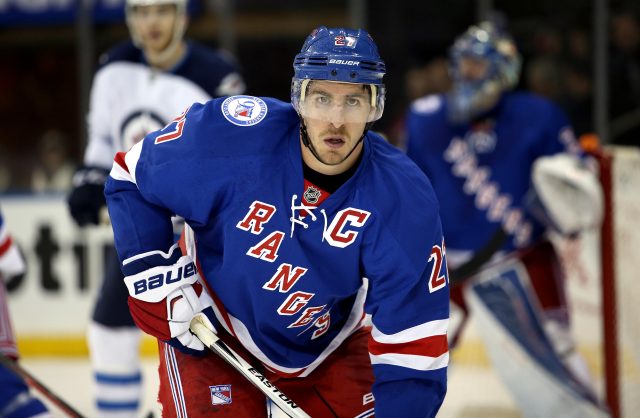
220	394
244	110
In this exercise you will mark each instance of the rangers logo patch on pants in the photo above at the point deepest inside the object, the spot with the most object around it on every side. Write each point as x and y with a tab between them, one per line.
220	395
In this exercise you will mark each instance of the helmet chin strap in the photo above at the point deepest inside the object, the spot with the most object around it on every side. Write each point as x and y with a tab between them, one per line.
304	136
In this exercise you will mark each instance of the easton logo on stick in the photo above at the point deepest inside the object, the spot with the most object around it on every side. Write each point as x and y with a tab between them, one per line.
274	389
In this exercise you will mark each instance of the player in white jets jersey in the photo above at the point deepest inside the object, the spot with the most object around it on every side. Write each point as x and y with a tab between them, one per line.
304	221
141	85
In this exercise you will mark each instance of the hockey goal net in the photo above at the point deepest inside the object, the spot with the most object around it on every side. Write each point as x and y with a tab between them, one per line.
604	285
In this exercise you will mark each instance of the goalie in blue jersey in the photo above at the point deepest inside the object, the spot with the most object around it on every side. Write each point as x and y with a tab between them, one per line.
302	221
509	173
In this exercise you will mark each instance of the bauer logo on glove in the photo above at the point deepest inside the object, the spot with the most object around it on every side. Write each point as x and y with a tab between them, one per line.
164	299
154	284
167	277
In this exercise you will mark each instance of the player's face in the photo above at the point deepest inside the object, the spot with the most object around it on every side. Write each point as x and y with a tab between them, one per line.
335	115
154	25
473	69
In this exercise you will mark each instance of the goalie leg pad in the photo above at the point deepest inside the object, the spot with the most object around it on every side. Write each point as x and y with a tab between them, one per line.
520	350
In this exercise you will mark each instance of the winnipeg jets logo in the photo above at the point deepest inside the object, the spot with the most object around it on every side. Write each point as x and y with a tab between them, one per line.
244	110
312	195
137	125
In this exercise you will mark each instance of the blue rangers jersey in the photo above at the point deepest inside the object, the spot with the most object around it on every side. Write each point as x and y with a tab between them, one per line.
481	171
130	99
293	281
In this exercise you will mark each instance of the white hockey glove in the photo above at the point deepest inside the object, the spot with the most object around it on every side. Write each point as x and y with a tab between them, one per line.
164	299
569	194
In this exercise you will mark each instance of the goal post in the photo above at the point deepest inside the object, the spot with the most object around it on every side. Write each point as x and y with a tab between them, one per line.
620	249
603	281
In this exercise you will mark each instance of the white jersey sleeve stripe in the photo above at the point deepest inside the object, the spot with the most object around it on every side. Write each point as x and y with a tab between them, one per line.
161	253
411	361
428	329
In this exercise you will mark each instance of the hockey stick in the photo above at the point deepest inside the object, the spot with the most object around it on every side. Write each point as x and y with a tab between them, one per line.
467	270
211	340
36	384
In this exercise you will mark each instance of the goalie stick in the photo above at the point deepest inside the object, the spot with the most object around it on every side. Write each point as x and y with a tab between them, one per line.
211	340
464	272
39	386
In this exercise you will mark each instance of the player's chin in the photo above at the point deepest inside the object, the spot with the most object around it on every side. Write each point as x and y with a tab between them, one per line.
157	45
333	157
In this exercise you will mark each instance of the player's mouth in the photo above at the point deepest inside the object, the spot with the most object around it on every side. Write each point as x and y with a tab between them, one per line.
155	36
334	142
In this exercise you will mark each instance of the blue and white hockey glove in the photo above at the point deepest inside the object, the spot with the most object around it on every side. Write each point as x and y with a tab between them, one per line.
87	197
164	299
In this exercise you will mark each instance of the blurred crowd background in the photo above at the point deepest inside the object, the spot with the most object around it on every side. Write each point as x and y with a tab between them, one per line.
50	50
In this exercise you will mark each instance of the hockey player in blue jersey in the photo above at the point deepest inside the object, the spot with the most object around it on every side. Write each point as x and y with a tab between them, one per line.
507	171
303	222
15	399
140	86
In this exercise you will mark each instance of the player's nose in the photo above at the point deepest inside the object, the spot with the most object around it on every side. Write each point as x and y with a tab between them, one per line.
336	116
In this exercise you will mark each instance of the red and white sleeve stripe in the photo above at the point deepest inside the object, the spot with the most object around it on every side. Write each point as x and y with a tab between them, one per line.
124	164
423	347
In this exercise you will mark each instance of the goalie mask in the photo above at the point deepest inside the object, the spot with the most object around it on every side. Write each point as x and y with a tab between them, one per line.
342	56
180	24
484	64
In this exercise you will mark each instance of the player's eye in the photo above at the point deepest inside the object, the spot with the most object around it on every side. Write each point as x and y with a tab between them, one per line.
139	11
322	99
166	10
353	101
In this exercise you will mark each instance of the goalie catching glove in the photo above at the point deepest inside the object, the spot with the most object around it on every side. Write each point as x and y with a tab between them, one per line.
569	196
164	299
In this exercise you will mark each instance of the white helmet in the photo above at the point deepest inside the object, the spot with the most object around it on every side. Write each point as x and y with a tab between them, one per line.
178	30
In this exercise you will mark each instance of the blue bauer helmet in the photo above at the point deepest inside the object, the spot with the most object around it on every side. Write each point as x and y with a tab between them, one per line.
341	55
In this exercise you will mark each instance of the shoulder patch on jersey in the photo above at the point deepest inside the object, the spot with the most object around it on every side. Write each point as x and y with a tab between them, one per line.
244	110
427	104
